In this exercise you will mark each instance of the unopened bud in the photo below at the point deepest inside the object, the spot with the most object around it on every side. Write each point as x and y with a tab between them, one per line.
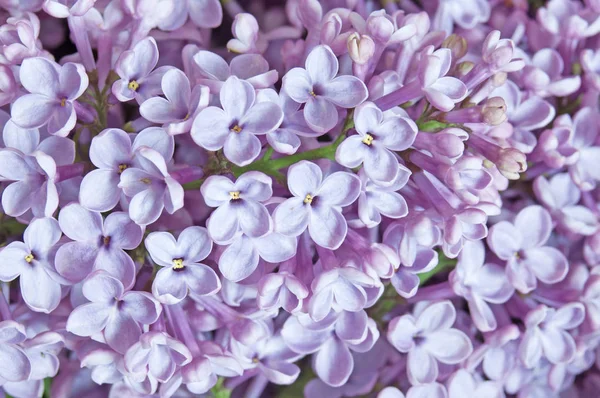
457	45
464	67
511	163
360	48
494	111
499	79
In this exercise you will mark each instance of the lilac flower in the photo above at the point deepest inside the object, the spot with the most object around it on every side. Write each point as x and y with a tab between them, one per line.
590	62
547	335
521	244
134	67
65	8
35	183
316	204
31	261
150	187
428	339
112	311
112	153
525	115
211	70
441	91
200	375
17	366
204	14
480	284
235	127
430	390
412	239
339	289
238	204
285	138
181	106
464	14
585	135
241	258
246	35
561	196
462	384
377	138
42	351
182	270
19	37
321	91
544	75
53	89
269	357
281	290
97	244
565	17
332	339
156	355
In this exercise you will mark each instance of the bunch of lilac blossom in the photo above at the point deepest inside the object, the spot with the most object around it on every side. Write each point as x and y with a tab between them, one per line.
337	198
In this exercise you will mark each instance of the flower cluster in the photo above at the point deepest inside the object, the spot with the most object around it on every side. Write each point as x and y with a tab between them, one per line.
270	198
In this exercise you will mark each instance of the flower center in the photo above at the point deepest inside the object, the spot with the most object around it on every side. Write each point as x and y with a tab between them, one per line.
311	92
236	129
29	258
146	180
63	102
133	85
178	264
234	195
308	199
106	240
123	167
368	139
255	360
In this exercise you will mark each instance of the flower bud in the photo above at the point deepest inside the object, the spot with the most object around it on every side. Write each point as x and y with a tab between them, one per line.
494	111
457	45
360	48
511	162
464	67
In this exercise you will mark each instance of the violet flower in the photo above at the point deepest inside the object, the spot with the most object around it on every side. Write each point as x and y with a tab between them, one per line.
112	153
135	68
31	261
235	127
212	71
321	91
377	138
53	88
98	244
480	284
428	339
17	366
150	187
238	204
181	106
181	268
316	204
544	75
113	312
561	196
521	244
547	335
377	200
203	13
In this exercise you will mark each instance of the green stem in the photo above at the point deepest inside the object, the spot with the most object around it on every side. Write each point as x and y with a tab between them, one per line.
444	263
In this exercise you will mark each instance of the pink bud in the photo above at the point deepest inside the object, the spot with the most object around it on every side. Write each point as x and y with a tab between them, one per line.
494	111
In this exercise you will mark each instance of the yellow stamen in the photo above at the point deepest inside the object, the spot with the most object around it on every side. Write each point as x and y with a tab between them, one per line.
312	93
63	102
255	360
236	129
178	263
106	240
29	258
146	181
133	85
368	139
235	195
122	167
308	199
186	117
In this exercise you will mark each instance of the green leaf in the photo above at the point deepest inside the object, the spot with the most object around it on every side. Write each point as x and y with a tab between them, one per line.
219	390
